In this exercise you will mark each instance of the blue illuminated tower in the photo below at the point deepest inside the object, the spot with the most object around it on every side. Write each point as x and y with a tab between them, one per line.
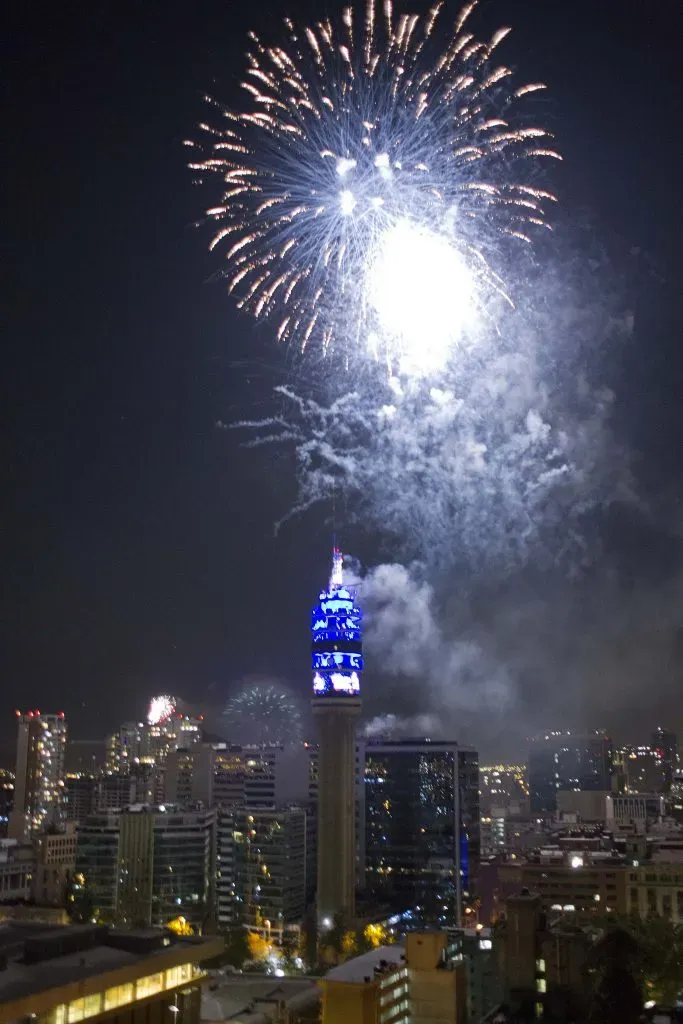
337	665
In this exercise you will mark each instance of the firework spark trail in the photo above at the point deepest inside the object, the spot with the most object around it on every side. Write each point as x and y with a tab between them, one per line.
369	184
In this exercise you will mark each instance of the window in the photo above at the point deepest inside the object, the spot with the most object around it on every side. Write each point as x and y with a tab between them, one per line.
118	996
666	905
651	901
178	975
540	966
540	985
149	986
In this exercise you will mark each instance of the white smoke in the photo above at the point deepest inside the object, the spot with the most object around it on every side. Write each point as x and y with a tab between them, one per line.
403	634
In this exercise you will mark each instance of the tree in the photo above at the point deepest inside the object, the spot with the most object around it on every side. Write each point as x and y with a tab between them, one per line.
661	942
617	996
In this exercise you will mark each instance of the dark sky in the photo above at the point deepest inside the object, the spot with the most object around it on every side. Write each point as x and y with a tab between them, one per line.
137	544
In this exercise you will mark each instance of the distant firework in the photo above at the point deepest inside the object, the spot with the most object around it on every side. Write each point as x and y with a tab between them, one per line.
160	708
367	188
263	713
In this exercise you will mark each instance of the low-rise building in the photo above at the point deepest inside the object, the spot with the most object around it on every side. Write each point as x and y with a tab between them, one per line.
84	972
55	866
542	965
419	980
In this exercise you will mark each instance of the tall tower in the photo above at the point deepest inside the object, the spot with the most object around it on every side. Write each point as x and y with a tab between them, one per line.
337	665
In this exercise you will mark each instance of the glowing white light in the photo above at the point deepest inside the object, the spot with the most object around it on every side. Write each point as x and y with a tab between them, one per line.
423	293
344	165
577	861
160	708
337	575
347	201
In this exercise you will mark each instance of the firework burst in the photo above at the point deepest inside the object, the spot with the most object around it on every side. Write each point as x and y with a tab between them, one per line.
263	712
368	187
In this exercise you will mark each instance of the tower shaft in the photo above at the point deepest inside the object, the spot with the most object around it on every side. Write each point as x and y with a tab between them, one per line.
336	719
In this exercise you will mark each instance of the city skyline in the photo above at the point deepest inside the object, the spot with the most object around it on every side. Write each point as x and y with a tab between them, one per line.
139	551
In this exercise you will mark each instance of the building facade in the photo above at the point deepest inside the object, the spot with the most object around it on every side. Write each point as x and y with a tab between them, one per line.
77	973
418	981
565	760
39	775
269	867
421	843
146	865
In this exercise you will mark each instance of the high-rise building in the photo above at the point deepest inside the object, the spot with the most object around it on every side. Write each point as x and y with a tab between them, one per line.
146	865
566	760
80	796
337	664
665	743
640	769
269	867
421	841
39	783
222	774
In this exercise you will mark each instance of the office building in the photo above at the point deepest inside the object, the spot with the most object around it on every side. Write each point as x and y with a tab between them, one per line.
80	796
39	775
418	981
152	741
269	868
87	973
666	745
146	865
504	788
55	864
17	865
565	760
543	965
6	799
220	774
421	841
337	661
640	769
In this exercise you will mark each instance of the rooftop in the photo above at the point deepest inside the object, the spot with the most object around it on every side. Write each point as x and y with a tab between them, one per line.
363	967
40	958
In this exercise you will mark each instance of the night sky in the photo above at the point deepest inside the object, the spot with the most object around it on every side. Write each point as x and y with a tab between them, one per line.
138	553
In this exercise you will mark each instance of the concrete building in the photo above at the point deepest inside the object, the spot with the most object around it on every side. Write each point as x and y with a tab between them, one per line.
17	864
656	889
55	856
542	966
6	799
417	982
269	868
576	884
421	838
39	775
220	774
565	760
88	973
147	865
337	662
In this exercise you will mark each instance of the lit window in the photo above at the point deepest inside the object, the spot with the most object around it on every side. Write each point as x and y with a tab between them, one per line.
149	986
118	996
540	985
540	966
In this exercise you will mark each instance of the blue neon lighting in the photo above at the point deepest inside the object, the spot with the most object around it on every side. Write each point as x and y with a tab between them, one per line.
336	632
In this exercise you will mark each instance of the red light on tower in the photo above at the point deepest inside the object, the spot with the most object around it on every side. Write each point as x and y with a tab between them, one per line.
30	714
17	713
61	714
